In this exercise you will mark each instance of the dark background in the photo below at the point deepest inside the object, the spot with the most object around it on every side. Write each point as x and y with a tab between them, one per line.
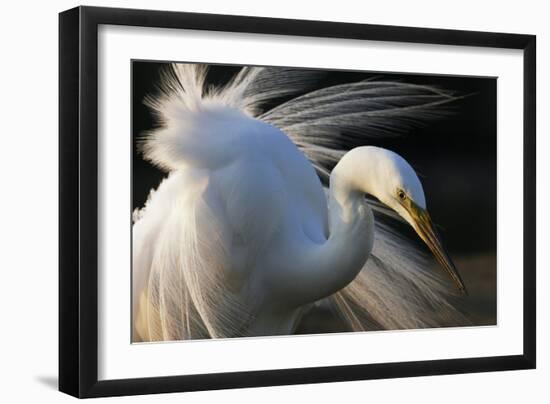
455	158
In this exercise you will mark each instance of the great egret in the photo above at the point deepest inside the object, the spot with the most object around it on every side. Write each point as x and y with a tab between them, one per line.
242	238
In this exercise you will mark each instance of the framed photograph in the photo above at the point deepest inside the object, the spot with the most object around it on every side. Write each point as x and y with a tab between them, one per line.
250	201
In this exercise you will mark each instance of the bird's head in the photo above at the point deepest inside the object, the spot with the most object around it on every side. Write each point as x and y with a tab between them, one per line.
388	177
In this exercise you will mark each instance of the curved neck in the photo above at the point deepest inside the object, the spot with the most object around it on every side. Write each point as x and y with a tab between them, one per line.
351	225
332	265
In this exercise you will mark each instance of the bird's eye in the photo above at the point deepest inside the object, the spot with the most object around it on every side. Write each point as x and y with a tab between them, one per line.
401	194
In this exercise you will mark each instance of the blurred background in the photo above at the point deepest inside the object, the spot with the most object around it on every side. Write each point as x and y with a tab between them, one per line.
455	158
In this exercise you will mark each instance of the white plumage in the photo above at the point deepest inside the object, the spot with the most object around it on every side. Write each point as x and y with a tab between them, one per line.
241	239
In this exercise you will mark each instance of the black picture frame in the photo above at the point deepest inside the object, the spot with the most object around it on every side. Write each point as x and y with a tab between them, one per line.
78	200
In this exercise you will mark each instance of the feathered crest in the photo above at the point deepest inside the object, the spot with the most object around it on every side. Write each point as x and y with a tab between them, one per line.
323	123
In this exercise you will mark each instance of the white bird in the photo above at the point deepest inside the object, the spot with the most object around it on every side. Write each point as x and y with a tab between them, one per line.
242	238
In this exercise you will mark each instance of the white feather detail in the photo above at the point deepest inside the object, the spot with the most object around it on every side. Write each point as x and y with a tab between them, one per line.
183	289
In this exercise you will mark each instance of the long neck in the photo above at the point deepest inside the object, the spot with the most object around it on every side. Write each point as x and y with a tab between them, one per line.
351	225
335	263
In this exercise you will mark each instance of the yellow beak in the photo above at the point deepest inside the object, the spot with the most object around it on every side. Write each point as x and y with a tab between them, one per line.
423	225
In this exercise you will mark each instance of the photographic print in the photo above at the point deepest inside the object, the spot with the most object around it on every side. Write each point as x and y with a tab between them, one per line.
272	201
